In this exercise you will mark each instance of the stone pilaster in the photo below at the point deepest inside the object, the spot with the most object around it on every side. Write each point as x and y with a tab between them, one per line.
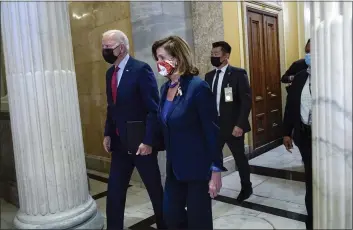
331	51
45	120
207	25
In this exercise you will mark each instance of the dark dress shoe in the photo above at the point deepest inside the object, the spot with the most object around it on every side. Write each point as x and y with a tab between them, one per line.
244	194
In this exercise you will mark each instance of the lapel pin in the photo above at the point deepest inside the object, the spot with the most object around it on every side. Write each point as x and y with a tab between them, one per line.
127	70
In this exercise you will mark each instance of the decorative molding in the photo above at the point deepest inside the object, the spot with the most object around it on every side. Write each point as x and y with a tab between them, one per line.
274	5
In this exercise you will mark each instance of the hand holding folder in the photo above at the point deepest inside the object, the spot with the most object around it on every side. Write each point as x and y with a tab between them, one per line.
136	131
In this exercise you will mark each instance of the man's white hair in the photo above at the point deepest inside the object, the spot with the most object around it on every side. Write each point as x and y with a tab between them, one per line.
119	36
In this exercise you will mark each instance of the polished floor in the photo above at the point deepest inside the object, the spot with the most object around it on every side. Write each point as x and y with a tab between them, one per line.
277	202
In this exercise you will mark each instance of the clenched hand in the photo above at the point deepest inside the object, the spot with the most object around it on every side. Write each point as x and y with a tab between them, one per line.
106	144
215	184
237	132
288	143
144	150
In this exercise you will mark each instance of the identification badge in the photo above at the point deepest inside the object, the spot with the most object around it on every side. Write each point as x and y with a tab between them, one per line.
228	93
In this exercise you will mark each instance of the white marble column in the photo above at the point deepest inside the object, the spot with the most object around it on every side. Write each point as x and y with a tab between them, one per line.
46	127
331	50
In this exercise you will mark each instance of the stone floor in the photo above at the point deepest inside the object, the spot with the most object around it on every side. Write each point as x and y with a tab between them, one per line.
277	202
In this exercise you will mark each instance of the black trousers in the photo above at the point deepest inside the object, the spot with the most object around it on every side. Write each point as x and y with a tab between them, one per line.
236	146
305	148
190	194
122	165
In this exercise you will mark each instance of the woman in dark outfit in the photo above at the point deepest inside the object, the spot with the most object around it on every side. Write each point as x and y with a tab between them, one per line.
194	157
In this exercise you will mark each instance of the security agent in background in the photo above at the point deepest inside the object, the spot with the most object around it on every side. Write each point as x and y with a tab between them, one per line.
296	67
297	120
231	90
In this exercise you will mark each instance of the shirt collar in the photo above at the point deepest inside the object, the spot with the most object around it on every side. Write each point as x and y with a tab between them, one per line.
224	68
123	63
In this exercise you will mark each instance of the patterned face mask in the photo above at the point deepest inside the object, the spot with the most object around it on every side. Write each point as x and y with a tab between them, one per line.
165	68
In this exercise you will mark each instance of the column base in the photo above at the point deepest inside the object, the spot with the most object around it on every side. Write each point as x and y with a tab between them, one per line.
96	222
85	216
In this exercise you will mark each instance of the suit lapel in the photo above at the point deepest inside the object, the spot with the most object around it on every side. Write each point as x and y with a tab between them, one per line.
109	83
184	83
226	78
164	91
124	77
210	78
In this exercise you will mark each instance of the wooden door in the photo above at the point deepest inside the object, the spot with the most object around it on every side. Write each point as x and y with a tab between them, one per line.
265	77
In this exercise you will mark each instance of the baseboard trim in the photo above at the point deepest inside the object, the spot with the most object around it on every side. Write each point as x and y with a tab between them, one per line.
98	163
9	192
265	148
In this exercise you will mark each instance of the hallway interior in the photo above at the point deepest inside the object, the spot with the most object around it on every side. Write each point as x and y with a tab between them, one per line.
277	202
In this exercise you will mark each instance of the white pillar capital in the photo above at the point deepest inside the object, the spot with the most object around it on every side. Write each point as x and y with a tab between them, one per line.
45	120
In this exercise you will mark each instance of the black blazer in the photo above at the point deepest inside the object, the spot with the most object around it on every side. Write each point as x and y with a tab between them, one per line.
295	68
292	117
234	113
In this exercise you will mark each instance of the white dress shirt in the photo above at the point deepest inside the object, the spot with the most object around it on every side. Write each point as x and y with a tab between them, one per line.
122	68
306	103
219	86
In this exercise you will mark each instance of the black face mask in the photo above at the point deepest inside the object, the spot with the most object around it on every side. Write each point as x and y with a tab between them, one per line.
216	61
109	56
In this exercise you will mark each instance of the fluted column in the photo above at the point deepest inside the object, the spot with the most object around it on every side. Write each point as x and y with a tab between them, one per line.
46	127
331	49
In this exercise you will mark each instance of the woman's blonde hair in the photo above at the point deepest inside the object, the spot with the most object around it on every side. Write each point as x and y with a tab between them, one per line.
180	50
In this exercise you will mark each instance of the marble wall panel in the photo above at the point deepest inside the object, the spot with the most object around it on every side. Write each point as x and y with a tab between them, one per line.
207	27
89	20
152	21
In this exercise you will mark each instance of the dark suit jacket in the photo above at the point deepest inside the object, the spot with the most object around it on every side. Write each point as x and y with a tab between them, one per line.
234	113
137	100
295	68
190	131
292	117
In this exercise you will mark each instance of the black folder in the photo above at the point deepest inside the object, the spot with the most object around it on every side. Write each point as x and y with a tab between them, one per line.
136	131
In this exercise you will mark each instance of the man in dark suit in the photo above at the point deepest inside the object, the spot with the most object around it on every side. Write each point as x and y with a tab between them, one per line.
296	67
132	95
230	86
297	120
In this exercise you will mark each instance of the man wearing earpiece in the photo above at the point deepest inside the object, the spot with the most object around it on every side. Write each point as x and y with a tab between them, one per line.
297	119
231	90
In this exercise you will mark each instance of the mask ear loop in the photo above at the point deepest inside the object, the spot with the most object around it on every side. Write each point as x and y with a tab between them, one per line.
175	67
120	50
